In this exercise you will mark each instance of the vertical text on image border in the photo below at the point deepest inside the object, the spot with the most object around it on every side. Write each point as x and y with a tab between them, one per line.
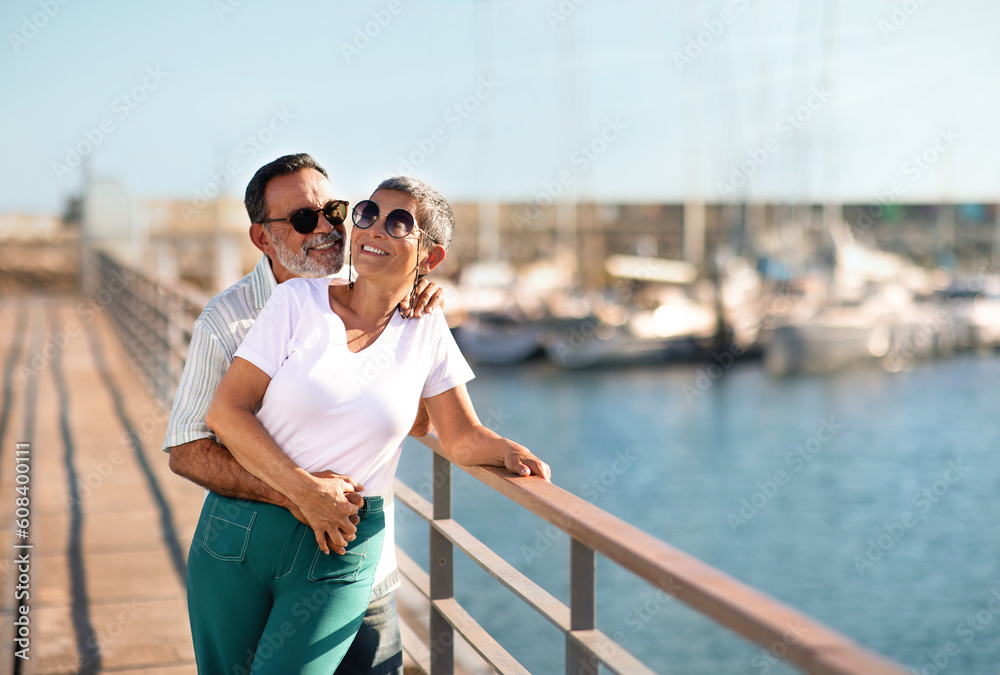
22	529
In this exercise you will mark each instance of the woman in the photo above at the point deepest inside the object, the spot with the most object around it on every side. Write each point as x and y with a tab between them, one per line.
338	375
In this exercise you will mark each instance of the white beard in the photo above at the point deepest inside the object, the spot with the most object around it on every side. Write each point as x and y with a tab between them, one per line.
301	264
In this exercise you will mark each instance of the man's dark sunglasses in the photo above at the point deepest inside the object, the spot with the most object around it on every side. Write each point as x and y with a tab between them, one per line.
398	222
304	220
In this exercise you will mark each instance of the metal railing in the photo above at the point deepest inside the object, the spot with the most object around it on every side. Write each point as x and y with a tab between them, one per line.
153	320
742	609
154	323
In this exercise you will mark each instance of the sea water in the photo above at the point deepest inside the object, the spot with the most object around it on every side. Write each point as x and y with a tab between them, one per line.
865	499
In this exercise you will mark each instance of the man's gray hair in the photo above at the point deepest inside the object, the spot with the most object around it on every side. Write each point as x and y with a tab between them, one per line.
283	166
434	214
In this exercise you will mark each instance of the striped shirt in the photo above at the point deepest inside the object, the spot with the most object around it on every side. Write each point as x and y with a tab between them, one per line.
216	335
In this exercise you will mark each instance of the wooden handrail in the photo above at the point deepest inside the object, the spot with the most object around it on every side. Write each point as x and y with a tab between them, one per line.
742	609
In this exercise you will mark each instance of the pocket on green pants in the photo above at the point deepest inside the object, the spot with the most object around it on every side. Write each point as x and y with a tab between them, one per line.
227	533
335	567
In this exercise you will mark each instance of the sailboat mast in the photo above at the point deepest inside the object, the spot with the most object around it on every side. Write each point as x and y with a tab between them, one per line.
488	204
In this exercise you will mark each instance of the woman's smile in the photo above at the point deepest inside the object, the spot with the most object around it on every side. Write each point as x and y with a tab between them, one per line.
374	250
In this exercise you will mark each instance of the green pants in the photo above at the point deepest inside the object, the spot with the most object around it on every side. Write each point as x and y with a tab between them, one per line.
263	598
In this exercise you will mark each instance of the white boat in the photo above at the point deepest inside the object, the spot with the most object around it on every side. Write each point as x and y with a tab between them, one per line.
974	308
497	339
505	309
662	320
868	313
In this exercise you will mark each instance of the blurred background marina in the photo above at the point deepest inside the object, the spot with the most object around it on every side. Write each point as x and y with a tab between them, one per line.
690	231
632	283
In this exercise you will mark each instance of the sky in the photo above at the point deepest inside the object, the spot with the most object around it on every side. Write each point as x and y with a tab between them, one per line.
633	100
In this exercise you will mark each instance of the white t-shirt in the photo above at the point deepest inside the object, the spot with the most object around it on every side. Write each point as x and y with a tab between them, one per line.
329	408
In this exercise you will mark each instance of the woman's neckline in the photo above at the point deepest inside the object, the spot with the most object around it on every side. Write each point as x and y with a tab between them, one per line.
393	313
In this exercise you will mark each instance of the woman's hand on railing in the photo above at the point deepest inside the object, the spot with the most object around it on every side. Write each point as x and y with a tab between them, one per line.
467	442
522	462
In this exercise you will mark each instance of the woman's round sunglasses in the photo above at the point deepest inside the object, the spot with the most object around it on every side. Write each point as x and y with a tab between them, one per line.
398	222
305	220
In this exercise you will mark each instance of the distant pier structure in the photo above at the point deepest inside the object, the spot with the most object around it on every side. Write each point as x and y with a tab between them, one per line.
206	243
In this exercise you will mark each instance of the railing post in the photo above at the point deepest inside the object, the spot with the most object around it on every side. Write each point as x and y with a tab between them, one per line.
163	323
581	607
442	635
175	343
88	269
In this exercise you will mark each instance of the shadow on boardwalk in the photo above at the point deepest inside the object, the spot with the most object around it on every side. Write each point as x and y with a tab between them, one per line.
110	524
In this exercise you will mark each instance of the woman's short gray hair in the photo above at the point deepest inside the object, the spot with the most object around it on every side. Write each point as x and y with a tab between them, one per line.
434	214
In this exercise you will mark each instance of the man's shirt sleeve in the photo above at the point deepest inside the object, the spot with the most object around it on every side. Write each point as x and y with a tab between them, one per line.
207	361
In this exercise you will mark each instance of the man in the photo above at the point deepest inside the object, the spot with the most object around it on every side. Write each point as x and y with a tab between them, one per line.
280	198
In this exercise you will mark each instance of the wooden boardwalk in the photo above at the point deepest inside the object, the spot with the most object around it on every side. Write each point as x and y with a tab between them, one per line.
110	524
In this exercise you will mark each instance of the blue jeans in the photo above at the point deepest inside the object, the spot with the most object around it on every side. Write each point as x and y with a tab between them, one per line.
377	649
